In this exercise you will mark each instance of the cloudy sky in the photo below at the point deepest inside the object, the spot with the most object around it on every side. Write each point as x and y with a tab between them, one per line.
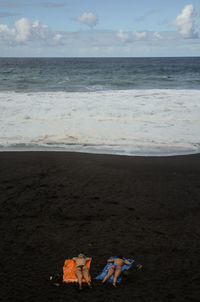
93	28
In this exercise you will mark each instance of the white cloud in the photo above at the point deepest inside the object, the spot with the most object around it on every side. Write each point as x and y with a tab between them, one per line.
131	36
39	30
6	34
185	22
96	43
157	35
89	19
25	31
122	35
139	34
58	37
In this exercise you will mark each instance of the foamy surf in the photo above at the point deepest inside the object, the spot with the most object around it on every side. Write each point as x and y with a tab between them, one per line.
130	122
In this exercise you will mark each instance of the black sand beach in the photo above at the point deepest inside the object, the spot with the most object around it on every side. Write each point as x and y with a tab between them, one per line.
55	205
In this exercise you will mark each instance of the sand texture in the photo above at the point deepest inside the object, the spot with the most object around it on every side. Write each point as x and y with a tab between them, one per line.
55	205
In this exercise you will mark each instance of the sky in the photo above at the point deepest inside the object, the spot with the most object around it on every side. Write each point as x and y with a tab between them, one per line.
103	28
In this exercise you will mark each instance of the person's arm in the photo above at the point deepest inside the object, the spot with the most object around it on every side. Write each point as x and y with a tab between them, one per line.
110	260
127	262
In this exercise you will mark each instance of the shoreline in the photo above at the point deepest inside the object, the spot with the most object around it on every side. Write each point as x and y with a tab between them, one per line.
93	154
39	149
57	204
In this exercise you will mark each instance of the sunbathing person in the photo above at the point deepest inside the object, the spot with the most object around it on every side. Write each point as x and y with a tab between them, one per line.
81	269
116	268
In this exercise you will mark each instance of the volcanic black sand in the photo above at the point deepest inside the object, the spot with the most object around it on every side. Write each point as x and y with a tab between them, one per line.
57	204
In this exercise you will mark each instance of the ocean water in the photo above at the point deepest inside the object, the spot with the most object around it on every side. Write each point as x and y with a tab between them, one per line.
131	106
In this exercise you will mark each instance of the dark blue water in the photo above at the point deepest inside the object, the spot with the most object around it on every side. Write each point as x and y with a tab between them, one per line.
94	74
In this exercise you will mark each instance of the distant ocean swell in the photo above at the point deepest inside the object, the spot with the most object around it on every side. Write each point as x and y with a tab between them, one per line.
97	74
132	122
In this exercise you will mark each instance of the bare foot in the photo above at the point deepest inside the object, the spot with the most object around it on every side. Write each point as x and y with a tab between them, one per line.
89	285
114	285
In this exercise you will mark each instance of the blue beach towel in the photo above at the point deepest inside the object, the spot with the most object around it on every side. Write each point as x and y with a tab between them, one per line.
104	272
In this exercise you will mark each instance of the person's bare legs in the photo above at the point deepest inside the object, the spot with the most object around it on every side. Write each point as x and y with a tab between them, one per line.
109	274
79	275
116	275
85	272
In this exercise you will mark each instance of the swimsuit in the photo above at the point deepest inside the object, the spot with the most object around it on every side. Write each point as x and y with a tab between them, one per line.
80	266
116	265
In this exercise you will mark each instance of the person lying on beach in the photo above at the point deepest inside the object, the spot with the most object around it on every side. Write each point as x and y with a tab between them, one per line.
116	269
81	269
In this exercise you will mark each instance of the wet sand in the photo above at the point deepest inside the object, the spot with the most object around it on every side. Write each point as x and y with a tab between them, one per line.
57	204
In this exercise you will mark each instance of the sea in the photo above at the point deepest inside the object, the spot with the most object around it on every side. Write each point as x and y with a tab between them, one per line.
124	106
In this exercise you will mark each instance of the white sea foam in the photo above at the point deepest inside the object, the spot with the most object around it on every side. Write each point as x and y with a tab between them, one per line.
132	122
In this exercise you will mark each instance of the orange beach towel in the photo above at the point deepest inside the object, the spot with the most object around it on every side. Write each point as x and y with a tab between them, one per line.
69	271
